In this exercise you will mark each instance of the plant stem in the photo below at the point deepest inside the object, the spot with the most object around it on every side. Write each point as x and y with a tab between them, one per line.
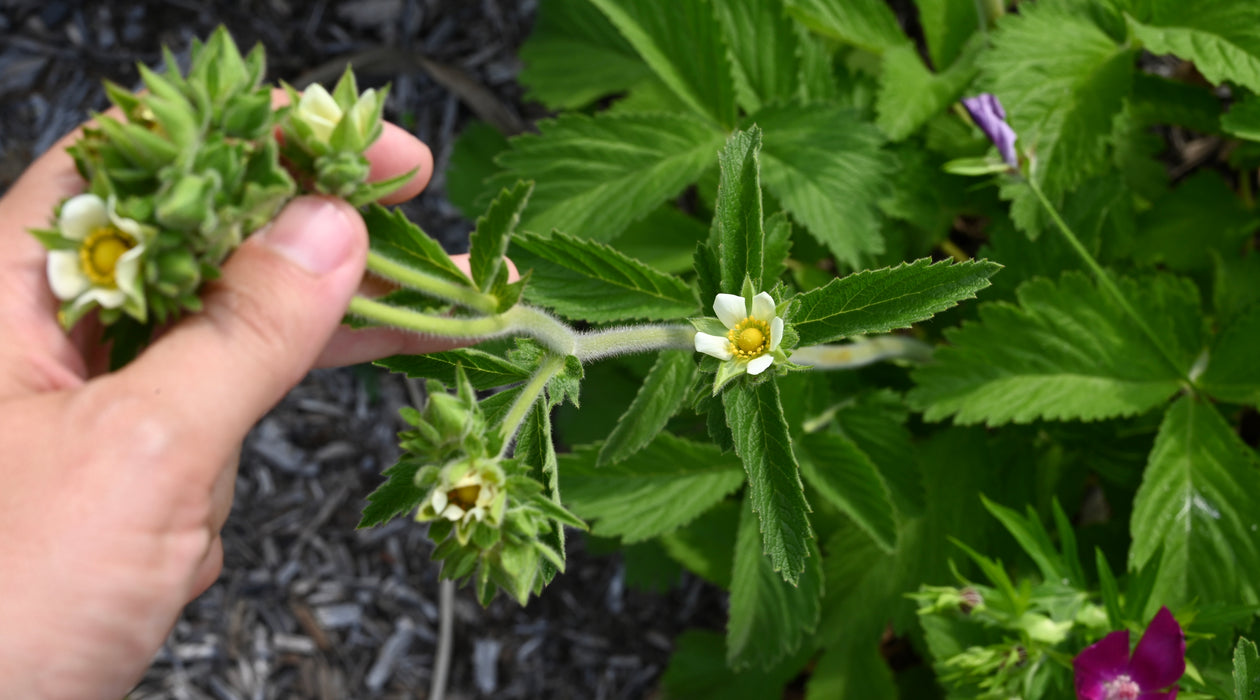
863	352
554	334
530	393
631	339
446	639
433	286
1104	279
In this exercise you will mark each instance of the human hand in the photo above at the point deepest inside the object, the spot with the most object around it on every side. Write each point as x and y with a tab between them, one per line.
115	486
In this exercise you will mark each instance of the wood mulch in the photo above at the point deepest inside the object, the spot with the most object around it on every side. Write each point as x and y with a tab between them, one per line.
307	606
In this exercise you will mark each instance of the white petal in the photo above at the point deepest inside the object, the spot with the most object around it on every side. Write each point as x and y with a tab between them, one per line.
758	364
107	298
714	346
776	333
362	111
81	214
319	110
763	307
65	276
453	512
127	273
730	309
130	227
439	501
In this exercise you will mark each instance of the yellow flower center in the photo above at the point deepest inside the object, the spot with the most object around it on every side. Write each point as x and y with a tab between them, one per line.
465	496
100	253
749	338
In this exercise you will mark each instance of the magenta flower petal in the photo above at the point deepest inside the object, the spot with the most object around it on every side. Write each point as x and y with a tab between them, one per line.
986	111
1160	657
1099	663
1160	695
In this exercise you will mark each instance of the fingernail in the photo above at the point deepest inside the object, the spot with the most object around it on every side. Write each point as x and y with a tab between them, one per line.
312	233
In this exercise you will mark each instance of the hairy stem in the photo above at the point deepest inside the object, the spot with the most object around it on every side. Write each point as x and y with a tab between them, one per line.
433	286
1104	279
863	352
530	393
631	339
443	326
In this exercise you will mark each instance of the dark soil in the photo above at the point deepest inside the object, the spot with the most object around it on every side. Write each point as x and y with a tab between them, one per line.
308	607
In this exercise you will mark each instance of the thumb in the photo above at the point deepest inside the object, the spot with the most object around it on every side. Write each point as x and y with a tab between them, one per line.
282	294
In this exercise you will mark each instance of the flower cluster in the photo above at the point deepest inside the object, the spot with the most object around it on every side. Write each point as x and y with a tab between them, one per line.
491	520
185	171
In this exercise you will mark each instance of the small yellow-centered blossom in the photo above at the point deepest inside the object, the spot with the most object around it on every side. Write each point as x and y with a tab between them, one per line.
105	267
468	491
322	114
753	332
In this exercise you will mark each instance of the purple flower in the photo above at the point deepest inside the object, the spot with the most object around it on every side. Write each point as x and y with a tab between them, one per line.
988	114
1105	671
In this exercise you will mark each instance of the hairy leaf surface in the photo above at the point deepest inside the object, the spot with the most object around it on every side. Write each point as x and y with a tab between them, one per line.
839	471
484	370
737	221
1222	39
869	24
774	482
660	396
826	166
769	617
652	492
596	175
877	301
1200	502
587	280
1067	351
563	31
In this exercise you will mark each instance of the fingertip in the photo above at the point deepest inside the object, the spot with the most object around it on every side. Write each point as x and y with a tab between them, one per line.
398	152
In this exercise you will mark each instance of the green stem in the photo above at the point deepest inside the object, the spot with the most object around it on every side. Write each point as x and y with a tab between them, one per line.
444	326
530	393
433	286
1104	279
863	352
632	339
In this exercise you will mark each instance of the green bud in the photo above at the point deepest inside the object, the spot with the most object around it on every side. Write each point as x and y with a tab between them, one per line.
248	116
340	173
178	271
1041	628
188	202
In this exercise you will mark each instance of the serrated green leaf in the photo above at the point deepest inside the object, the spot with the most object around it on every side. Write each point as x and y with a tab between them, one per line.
777	248
489	240
1062	80
472	164
1158	100
868	24
775	491
684	48
598	174
876	423
706	545
652	492
1222	39
826	166
1201	216
484	370
666	239
397	496
575	56
662	393
566	385
1243	119
769	618
840	674
844	475
877	301
535	449
737	219
395	237
1066	352
947	25
698	671
589	281
1231	372
1034	539
1199	501
910	94
1246	670
763	48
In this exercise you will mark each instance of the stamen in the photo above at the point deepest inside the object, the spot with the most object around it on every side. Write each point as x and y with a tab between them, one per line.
749	338
100	253
466	496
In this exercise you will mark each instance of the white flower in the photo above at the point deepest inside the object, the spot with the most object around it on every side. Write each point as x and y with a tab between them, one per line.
105	267
466	500
753	336
320	111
